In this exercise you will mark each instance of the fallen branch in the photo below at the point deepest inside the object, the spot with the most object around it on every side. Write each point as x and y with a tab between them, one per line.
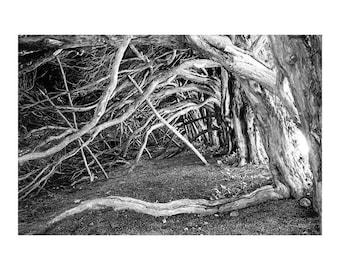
184	206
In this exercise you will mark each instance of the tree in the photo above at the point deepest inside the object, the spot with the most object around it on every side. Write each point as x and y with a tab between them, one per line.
299	61
232	84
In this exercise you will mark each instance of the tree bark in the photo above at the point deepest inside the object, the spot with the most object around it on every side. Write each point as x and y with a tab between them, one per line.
261	152
240	139
225	110
298	59
252	146
273	121
234	59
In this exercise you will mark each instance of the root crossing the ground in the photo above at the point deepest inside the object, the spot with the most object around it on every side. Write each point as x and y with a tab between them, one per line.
184	206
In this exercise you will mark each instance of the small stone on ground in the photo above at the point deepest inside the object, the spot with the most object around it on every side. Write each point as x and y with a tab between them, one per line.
234	213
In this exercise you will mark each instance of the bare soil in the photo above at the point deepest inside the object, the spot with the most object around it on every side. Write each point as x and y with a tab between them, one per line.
164	180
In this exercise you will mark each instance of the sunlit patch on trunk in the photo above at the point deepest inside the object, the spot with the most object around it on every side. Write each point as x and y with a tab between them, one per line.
286	90
302	143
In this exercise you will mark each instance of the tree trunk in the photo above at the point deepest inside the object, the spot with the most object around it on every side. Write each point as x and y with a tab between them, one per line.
298	59
274	124
236	108
252	146
225	110
209	127
261	152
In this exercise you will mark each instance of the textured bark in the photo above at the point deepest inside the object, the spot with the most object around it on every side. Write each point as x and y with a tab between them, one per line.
225	97
234	59
225	111
240	138
252	145
209	127
261	152
273	121
298	59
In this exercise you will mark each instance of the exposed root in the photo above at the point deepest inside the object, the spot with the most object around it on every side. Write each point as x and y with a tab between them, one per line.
184	206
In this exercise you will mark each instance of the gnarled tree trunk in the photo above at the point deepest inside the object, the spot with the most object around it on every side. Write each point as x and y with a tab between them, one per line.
298	59
269	103
239	135
274	122
251	133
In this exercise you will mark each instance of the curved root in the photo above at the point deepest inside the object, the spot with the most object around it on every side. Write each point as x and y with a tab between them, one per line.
184	206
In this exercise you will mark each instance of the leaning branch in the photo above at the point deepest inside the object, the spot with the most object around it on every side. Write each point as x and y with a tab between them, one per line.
100	110
174	130
234	59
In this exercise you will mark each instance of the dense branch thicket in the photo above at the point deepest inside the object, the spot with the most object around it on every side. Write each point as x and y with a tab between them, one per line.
90	103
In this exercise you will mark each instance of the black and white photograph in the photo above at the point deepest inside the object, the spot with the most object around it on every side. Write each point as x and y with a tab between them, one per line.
170	134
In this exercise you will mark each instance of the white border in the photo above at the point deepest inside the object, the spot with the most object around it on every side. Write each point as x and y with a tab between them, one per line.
170	17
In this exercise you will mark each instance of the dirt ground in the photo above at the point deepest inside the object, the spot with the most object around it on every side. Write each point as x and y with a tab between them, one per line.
164	180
